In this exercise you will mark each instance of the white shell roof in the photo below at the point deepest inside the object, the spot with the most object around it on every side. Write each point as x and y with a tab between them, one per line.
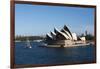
62	33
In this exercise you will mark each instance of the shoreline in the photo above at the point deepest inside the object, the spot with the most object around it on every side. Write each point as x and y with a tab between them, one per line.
56	46
87	43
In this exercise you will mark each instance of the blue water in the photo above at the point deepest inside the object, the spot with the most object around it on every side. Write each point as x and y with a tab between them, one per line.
43	55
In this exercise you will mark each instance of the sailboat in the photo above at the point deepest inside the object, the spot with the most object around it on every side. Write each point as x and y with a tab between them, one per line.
28	44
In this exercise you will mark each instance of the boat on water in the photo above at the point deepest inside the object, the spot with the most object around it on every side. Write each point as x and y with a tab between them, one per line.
28	44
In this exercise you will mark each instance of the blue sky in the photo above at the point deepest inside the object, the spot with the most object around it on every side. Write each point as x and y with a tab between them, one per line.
39	20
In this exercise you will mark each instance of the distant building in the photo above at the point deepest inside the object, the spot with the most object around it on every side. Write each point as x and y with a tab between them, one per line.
62	37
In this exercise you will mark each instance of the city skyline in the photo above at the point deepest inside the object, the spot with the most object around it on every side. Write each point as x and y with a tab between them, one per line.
41	19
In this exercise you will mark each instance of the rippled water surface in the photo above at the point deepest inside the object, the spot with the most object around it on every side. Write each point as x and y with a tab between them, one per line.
43	55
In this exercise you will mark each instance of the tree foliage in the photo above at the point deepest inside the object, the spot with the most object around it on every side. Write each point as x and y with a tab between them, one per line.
31	38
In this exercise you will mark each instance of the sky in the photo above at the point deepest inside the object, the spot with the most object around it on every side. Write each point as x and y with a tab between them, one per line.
41	19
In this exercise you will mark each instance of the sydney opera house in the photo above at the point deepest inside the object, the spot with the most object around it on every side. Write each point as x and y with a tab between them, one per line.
63	37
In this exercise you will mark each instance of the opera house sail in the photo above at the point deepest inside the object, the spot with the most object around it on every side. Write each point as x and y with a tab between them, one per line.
63	37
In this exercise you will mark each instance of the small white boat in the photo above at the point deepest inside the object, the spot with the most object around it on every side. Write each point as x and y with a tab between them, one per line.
28	44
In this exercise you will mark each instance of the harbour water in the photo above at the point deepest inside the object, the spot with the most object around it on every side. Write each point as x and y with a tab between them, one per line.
44	55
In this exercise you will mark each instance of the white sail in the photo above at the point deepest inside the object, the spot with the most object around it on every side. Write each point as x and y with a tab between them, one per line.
28	44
